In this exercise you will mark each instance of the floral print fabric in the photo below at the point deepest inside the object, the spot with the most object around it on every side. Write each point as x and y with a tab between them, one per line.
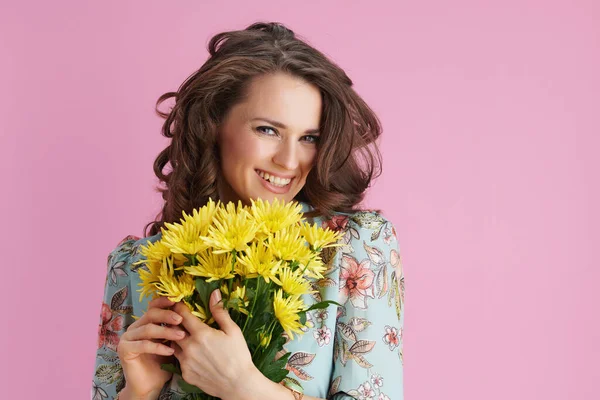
349	352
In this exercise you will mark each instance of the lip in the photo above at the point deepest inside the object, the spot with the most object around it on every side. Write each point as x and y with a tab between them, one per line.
277	175
273	188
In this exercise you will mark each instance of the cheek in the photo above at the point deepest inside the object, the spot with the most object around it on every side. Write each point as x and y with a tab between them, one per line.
308	161
231	149
242	151
234	149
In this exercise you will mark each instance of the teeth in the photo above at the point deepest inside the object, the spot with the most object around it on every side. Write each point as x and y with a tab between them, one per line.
274	179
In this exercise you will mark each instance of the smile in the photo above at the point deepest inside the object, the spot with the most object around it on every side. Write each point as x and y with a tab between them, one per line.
274	180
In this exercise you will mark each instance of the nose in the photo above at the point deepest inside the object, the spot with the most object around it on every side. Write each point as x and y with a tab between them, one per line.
287	154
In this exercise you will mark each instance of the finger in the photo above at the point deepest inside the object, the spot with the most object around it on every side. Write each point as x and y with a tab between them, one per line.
153	331
190	322
157	313
145	347
158	316
220	314
177	350
161	302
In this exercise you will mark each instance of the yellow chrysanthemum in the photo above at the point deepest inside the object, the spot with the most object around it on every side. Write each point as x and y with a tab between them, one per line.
183	238
286	312
173	287
201	218
293	283
212	266
238	294
197	310
287	244
232	229
276	215
154	254
313	266
148	280
304	254
317	237
259	260
150	275
246	270
265	339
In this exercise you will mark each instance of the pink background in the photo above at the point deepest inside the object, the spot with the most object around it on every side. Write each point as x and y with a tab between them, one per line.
491	116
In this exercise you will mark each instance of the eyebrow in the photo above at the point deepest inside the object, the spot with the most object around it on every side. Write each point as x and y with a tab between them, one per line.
282	126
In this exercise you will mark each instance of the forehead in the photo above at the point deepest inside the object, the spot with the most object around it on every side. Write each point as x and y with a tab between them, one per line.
285	98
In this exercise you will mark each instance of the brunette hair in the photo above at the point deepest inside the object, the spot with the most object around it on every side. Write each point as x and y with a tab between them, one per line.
347	156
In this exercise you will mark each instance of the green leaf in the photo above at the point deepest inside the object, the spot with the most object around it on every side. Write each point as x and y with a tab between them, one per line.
191	259
171	368
323	304
294	384
275	370
302	316
263	314
250	293
188	388
204	290
267	356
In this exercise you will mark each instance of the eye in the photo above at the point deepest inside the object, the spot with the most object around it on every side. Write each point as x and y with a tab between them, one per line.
264	129
311	138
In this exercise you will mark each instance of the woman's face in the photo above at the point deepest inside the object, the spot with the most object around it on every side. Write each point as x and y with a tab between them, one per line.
268	143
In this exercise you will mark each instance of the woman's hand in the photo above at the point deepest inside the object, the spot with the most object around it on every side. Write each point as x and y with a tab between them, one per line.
141	351
216	361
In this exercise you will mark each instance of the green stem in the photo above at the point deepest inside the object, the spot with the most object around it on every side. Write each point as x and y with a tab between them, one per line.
233	259
306	266
254	353
269	333
270	330
252	309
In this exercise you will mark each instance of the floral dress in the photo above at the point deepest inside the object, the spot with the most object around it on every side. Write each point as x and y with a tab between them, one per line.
349	352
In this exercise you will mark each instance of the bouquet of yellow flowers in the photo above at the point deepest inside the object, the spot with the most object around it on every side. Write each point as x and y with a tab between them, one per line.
261	257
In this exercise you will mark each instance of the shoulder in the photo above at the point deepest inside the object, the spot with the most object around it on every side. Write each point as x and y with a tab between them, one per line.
363	224
128	249
122	258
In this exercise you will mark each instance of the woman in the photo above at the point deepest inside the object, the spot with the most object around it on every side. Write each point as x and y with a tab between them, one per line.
267	116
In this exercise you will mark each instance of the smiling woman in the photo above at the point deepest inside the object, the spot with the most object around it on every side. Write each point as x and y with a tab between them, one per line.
267	80
270	156
266	117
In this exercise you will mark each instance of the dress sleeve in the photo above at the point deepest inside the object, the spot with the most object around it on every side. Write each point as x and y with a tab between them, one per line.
368	361
115	317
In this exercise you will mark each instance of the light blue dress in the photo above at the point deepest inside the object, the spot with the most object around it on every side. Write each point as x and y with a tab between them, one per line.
354	352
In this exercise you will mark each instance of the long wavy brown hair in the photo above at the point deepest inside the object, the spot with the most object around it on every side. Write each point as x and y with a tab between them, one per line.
348	158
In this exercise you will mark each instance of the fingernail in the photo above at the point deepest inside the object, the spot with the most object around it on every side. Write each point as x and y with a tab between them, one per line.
216	296
176	318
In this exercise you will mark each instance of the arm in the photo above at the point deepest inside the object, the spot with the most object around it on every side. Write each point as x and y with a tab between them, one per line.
125	394
218	361
368	360
115	315
262	388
